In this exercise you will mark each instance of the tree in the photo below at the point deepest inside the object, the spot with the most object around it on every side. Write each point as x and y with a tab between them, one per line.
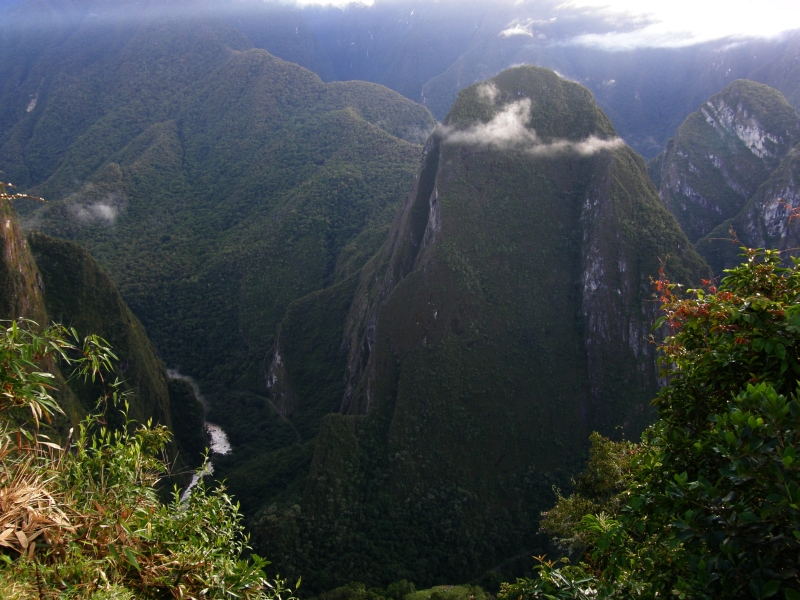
711	508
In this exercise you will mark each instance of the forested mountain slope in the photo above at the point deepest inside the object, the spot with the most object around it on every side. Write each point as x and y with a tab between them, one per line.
722	153
55	281
215	183
506	316
733	165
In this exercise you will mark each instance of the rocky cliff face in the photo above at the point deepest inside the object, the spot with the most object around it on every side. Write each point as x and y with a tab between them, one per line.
505	318
722	153
20	281
766	221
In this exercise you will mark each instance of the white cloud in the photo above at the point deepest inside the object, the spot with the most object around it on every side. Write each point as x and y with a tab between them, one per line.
678	23
89	206
508	129
98	211
587	147
517	28
505	130
488	91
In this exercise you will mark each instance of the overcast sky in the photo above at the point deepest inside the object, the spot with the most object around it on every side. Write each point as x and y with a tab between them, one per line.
679	22
684	22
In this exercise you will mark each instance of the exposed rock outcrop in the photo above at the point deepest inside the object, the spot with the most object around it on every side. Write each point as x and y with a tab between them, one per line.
722	153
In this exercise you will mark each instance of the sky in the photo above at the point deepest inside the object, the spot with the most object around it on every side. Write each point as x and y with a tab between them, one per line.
685	22
674	23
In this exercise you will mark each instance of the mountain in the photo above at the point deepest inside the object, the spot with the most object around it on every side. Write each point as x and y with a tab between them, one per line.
20	281
506	316
214	183
55	281
429	51
722	153
783	72
766	221
730	173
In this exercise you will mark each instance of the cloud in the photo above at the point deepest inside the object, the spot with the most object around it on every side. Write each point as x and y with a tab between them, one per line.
505	130
90	206
97	211
488	91
517	28
525	27
508	130
586	147
665	24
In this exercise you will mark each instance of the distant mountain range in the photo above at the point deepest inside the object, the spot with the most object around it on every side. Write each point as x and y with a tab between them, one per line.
429	50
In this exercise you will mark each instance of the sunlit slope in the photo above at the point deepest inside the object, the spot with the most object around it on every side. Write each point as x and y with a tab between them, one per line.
215	184
505	317
722	153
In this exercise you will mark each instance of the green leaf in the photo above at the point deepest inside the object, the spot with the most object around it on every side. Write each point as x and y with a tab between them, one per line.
113	552
132	559
748	517
770	589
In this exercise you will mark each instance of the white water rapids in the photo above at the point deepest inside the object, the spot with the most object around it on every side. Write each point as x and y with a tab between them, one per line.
219	440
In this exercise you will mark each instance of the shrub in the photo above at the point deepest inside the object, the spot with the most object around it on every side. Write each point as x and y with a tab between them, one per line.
82	519
711	507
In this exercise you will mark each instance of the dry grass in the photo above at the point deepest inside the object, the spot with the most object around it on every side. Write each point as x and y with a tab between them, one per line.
28	511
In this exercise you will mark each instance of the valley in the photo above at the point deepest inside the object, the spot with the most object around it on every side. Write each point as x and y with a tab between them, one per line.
391	266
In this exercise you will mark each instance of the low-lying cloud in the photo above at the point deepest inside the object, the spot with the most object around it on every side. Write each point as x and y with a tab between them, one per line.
508	130
101	211
97	211
525	27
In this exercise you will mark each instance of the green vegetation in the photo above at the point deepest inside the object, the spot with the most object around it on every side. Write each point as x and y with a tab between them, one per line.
216	184
707	505
468	392
84	520
722	153
63	283
766	220
404	590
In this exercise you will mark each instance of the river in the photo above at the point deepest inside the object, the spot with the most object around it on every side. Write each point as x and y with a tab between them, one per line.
220	445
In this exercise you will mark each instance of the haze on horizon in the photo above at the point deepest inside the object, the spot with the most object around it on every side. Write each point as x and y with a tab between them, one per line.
658	23
611	24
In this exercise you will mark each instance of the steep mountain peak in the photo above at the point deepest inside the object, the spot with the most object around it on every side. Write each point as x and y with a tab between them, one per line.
722	153
506	316
759	116
539	99
20	280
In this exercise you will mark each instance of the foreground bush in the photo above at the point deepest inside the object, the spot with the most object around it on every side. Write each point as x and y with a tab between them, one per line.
83	520
708	505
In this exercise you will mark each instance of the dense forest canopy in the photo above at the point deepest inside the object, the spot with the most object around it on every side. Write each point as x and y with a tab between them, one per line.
401	255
